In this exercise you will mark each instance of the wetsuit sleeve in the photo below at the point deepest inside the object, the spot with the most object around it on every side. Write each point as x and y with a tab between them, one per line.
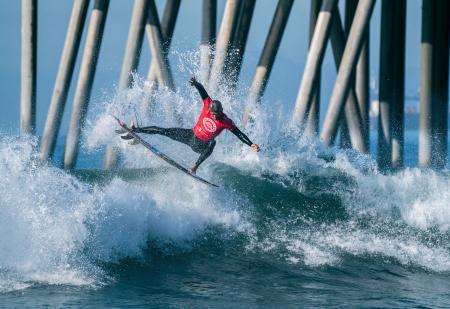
244	138
201	90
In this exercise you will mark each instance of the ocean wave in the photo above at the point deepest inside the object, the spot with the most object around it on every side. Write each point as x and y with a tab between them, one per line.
60	230
296	201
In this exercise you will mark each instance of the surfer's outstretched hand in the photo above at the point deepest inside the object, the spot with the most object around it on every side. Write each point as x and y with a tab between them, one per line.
256	148
193	81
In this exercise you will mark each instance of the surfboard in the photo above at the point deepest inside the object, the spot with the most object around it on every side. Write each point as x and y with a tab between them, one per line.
161	155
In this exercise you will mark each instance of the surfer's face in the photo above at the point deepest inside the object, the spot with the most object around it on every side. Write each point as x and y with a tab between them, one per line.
216	116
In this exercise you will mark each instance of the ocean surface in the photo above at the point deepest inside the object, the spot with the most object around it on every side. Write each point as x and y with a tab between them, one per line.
296	225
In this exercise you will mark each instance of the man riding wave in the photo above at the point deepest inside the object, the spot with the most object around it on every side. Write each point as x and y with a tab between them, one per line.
201	138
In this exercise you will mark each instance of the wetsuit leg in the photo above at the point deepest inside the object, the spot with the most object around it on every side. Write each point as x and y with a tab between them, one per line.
181	135
205	150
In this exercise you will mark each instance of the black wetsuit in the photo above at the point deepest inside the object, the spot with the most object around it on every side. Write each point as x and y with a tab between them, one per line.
187	136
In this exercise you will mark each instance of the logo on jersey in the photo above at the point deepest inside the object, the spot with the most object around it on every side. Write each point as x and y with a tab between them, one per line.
209	125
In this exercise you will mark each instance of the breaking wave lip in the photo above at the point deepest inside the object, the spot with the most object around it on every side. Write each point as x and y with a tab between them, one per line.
418	201
419	198
413	197
330	244
61	230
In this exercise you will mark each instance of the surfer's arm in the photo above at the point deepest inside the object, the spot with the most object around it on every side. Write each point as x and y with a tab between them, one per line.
201	90
244	138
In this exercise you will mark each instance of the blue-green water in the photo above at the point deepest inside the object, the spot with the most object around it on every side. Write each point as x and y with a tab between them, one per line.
297	225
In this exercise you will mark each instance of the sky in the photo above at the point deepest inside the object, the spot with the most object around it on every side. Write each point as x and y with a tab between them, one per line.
53	18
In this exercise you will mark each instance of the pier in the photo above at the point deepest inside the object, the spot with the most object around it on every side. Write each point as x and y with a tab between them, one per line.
344	26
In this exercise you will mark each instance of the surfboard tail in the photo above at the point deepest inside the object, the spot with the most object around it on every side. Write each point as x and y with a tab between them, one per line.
137	139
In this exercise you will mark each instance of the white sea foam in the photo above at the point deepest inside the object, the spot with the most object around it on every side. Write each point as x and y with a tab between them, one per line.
56	228
328	244
413	197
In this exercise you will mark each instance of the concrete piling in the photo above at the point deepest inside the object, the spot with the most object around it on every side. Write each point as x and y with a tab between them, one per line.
426	83
154	33
224	39
348	109
167	27
385	96
134	43
362	87
63	78
391	99
233	66
441	78
433	126
349	58
344	134
130	61
85	80
268	55
209	16
362	90
351	112
398	87
313	62
312	124
28	67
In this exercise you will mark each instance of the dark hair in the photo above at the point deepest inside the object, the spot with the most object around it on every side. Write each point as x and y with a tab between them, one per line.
216	107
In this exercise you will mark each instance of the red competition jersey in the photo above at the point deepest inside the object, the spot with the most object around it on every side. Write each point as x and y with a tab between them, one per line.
206	127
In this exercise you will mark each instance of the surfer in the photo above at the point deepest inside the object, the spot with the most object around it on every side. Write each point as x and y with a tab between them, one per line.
201	138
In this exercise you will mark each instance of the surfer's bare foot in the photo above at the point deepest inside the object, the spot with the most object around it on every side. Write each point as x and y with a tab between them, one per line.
194	169
256	148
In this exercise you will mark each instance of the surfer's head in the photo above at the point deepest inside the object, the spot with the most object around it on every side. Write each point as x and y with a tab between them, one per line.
216	110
